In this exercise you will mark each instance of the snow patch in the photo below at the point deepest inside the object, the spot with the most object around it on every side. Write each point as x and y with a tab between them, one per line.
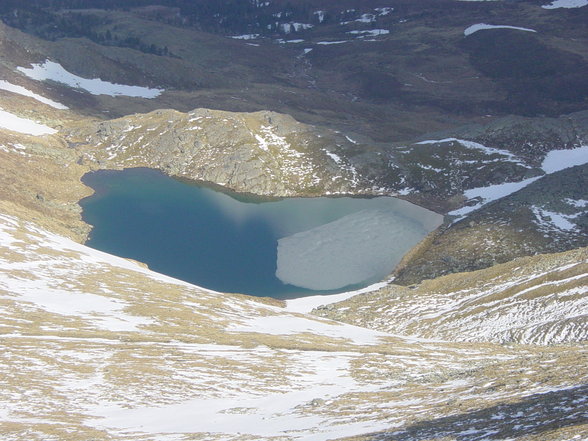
369	33
332	42
307	304
245	37
554	161
549	220
568	4
53	71
580	203
9	87
268	138
288	28
557	160
508	156
483	26
489	194
292	325
17	124
383	11
320	16
14	148
366	18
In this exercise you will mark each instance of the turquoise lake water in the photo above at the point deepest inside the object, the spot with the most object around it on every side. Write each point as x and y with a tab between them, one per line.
232	243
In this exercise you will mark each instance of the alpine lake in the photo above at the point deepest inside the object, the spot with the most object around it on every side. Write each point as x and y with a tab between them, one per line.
282	248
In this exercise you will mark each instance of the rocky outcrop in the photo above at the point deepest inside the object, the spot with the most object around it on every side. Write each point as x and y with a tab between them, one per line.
265	153
549	215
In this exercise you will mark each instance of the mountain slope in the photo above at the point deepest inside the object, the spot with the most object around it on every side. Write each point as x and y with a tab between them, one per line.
164	358
532	300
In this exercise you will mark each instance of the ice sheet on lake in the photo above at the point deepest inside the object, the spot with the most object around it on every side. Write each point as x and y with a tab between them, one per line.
353	249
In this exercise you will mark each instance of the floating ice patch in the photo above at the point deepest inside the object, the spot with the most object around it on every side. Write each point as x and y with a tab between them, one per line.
557	160
53	71
353	249
484	26
17	124
568	4
9	87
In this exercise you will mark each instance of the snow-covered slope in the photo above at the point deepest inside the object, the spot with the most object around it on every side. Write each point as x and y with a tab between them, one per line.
535	300
98	347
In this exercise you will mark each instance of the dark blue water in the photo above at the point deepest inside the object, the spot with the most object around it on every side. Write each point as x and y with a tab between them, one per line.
209	238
